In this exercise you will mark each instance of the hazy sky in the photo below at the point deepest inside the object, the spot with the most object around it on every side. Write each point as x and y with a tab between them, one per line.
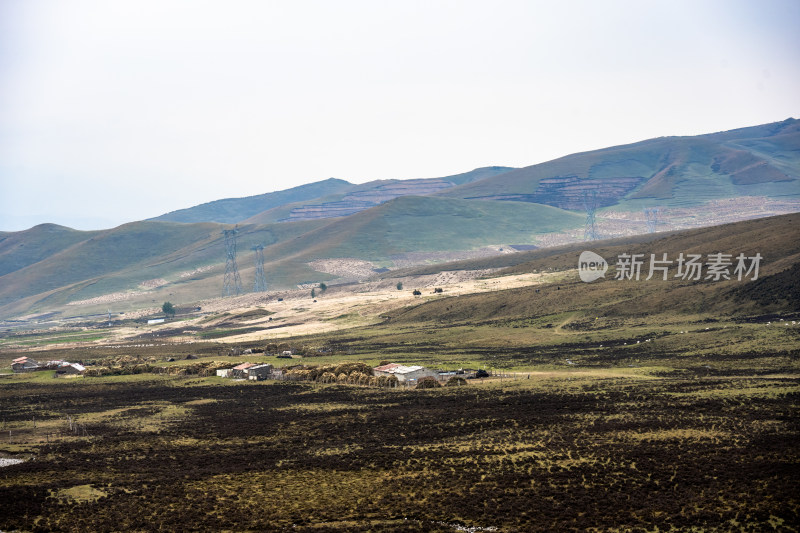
114	111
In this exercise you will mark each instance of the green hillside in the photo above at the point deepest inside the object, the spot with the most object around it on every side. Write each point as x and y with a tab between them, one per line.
233	210
407	224
413	223
670	171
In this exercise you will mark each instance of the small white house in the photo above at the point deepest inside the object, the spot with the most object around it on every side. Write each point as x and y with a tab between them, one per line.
70	370
404	373
155	321
240	371
224	372
259	372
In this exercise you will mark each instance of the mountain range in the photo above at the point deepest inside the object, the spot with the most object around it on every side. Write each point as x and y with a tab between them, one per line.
181	256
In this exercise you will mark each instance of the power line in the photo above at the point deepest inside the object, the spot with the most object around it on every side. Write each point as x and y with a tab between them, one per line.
590	205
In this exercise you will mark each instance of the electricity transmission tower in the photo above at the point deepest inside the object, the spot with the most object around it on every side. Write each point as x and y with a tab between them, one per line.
651	217
260	283
590	206
231	283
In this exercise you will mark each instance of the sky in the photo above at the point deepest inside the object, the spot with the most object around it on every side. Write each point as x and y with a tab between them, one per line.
116	111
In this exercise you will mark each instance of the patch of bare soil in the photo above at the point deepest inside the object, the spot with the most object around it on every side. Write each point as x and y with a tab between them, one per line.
611	224
106	298
153	283
411	259
345	268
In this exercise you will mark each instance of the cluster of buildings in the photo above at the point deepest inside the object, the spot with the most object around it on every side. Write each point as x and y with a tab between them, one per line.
62	368
407	375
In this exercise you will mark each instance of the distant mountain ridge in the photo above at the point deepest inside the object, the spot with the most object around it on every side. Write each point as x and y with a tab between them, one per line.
759	160
233	210
671	171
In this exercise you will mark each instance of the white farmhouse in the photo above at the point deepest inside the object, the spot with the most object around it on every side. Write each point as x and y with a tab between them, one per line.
404	373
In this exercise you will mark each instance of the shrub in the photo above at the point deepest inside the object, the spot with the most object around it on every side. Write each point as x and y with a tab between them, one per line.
456	381
428	382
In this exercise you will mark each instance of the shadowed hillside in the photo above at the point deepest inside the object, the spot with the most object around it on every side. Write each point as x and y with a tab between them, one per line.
774	238
134	257
23	248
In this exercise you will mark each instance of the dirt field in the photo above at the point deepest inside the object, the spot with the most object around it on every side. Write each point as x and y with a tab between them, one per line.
556	453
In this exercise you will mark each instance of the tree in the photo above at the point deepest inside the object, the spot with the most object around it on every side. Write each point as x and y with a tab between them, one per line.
399	285
313	293
168	309
323	287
